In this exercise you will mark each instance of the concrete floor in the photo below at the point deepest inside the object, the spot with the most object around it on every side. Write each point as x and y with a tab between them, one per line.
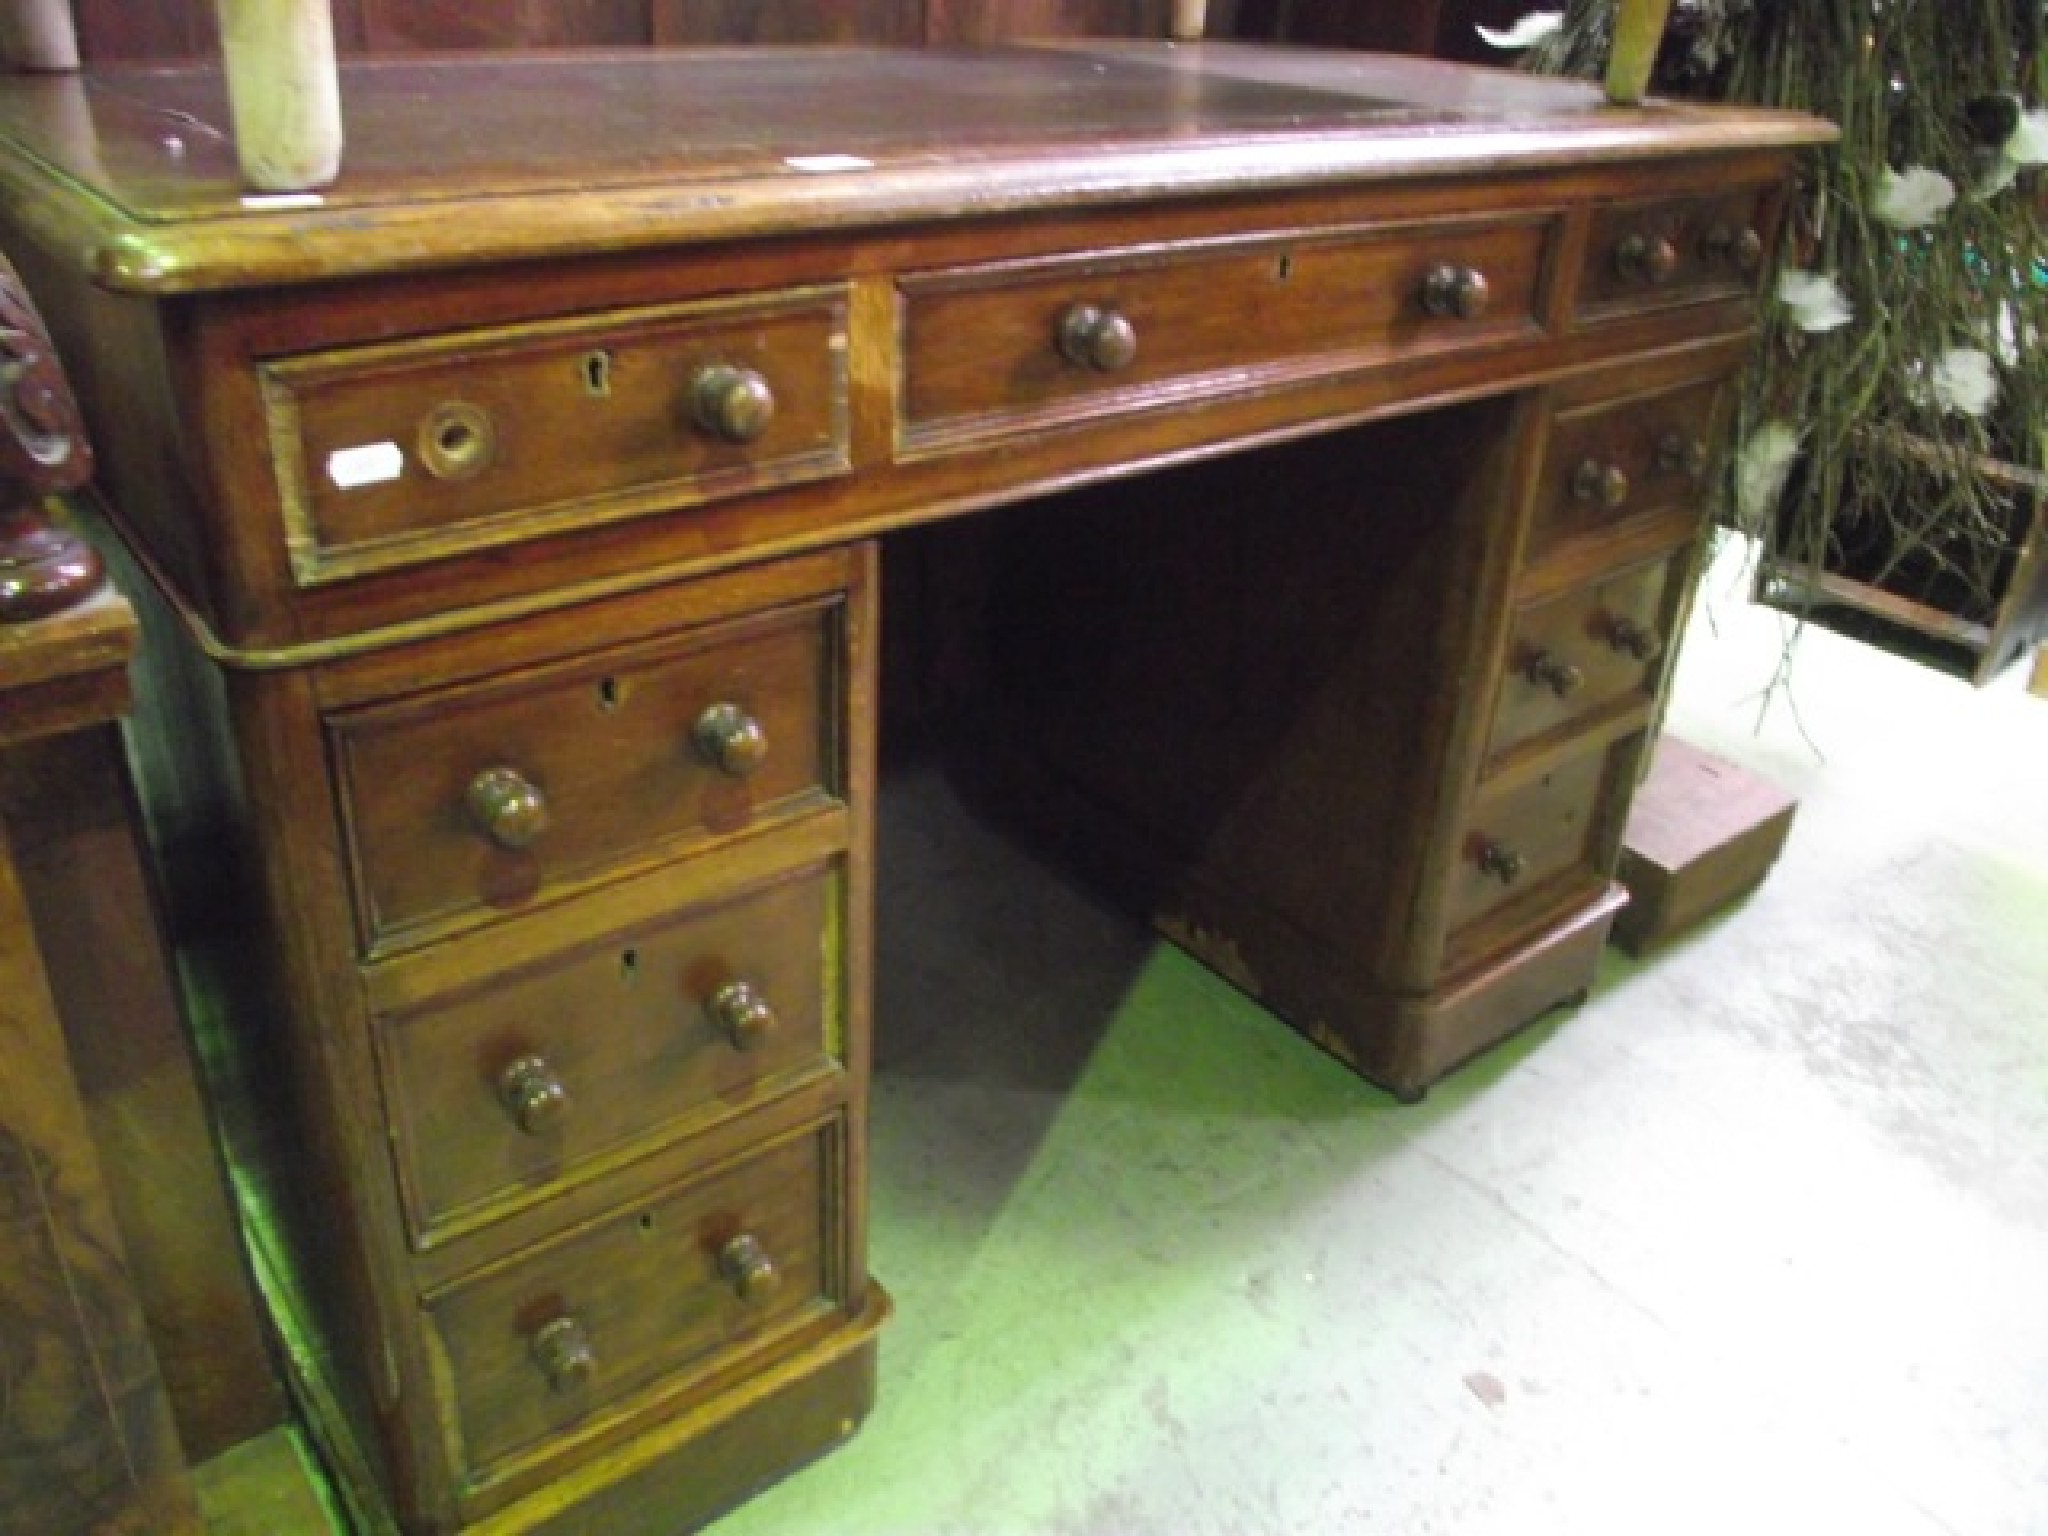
1754	1242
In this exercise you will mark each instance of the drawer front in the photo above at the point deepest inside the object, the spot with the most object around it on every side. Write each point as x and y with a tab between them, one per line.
647	1297
1003	348
1577	657
1647	255
501	1094
487	796
388	455
1620	461
1520	839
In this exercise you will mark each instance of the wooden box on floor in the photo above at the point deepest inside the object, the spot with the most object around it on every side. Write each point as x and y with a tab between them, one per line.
1702	833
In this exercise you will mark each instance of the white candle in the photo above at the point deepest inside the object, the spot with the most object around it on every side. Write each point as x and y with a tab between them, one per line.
38	34
283	91
1190	18
1638	31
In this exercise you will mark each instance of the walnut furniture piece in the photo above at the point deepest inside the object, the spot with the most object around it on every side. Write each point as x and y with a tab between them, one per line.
128	1335
87	1442
516	511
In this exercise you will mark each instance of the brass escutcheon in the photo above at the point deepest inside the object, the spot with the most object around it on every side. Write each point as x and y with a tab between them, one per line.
457	440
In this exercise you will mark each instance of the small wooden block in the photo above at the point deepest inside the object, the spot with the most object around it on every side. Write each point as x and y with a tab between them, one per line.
1702	834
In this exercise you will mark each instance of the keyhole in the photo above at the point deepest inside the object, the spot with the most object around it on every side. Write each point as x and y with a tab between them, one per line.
597	373
1283	269
646	1222
629	966
608	694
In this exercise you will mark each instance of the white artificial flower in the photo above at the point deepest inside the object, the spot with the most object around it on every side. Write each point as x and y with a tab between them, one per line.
2002	174
1815	300
1912	199
1965	381
1760	470
2028	144
2014	334
1526	33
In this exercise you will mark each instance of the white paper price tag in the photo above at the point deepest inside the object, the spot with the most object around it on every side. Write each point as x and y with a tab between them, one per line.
371	464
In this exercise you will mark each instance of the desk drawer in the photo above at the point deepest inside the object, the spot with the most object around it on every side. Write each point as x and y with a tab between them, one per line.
1618	461
502	1092
1577	657
648	1296
1521	839
1646	255
485	796
1011	346
389	455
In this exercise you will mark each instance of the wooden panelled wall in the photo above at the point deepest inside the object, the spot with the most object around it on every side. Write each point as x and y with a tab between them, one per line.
128	29
155	29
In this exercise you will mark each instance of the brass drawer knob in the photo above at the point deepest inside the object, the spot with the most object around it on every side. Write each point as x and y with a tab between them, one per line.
742	1014
1553	672
748	1270
731	740
562	1351
1096	338
1499	861
534	1094
1455	293
1739	247
1679	453
507	807
731	402
1633	639
1648	259
1604	485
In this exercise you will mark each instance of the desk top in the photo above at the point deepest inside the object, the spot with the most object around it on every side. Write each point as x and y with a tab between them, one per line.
480	158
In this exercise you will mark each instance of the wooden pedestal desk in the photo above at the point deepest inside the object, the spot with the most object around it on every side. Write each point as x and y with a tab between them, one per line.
515	509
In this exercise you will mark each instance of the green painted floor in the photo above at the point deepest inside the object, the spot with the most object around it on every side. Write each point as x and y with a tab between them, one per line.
1754	1242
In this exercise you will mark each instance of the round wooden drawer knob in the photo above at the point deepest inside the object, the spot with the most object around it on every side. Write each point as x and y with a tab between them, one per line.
731	740
742	1014
562	1351
1499	861
1547	670
507	807
1648	259
1096	338
1740	248
1633	639
748	1270
1455	293
1681	454
1604	485
730	402
536	1097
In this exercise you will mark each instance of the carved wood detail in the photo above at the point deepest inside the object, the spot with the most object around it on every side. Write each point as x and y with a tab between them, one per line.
43	450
